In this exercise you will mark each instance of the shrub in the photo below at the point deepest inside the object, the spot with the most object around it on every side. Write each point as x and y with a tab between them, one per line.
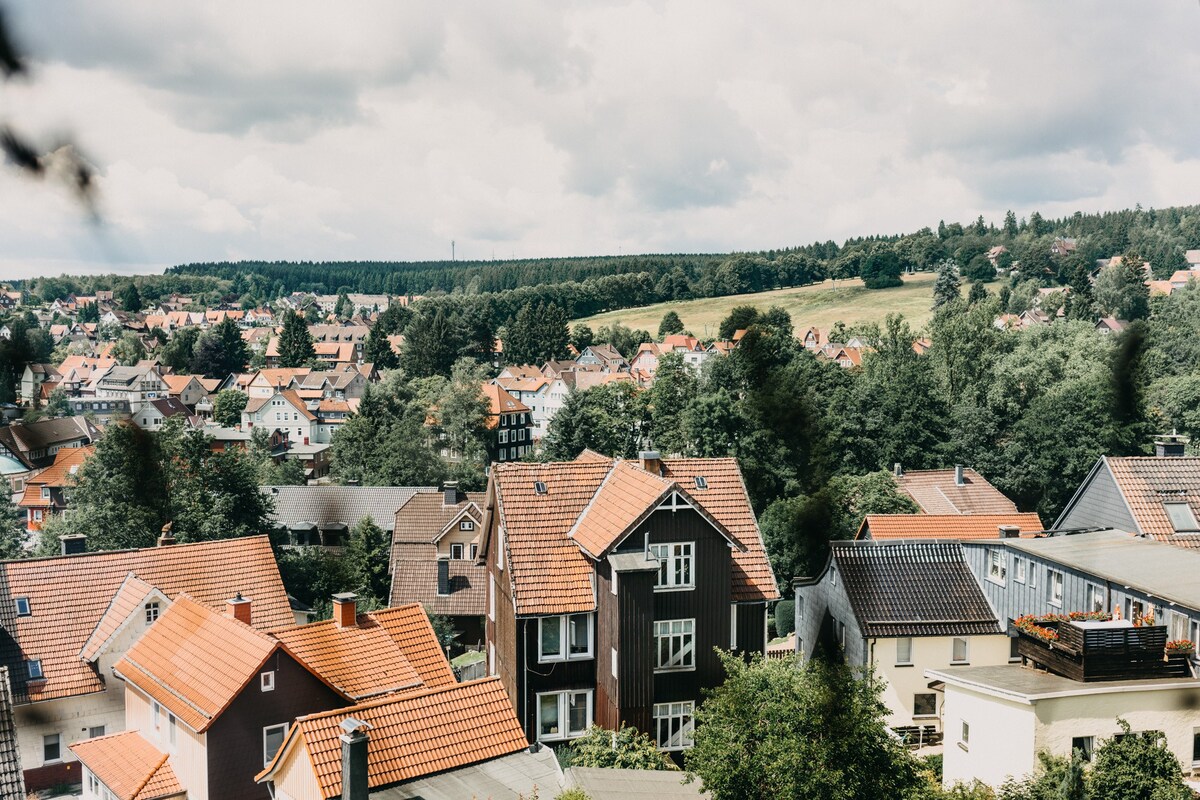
785	617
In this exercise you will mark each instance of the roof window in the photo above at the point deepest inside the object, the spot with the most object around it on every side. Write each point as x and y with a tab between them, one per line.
34	666
23	609
539	487
1183	519
701	482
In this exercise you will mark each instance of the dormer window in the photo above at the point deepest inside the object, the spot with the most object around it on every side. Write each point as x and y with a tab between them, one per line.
152	610
1183	519
701	482
23	609
35	669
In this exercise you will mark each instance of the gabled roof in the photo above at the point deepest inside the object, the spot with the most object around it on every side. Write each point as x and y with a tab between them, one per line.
1148	482
131	767
59	474
390	650
500	402
411	735
194	661
945	526
936	492
44	433
68	596
415	580
170	407
329	506
912	589
130	598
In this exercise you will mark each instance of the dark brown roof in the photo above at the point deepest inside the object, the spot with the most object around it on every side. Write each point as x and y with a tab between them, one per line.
414	580
922	588
12	780
424	515
935	491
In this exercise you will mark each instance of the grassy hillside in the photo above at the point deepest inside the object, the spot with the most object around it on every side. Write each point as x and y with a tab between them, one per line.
821	304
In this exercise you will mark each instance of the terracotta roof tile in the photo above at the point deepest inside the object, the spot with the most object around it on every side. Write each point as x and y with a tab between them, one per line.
128	598
1147	482
12	779
194	661
131	767
935	491
622	500
424	515
59	474
946	526
389	650
415	734
500	402
68	595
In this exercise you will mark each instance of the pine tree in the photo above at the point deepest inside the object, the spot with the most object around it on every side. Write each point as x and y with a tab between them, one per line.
131	299
946	287
671	324
295	342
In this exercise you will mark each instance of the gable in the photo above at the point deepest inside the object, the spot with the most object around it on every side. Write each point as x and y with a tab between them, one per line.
1098	504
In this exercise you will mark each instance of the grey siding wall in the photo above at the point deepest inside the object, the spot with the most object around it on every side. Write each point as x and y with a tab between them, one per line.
1099	505
819	608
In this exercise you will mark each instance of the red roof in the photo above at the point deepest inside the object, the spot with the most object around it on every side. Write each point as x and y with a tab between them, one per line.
945	526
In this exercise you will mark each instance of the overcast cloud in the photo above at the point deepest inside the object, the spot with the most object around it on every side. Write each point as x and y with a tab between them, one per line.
385	130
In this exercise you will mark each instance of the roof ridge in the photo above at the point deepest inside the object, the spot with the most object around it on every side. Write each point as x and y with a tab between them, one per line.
612	469
149	776
396	698
173	548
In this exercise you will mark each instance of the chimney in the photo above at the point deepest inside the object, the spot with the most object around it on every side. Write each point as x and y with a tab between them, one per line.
1009	531
897	469
450	493
354	759
165	538
1170	446
73	543
238	608
345	610
651	461
443	587
958	475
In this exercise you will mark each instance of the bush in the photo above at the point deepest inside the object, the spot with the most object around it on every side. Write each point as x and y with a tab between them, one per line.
785	617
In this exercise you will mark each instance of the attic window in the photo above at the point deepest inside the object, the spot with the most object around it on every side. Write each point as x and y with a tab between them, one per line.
539	487
35	669
466	525
701	482
23	607
1182	517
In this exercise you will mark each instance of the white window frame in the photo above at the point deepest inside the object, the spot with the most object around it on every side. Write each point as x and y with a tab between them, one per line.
24	609
997	566
924	716
1019	570
265	730
58	742
460	549
966	650
466	525
474	552
1095	592
1177	626
1052	589
666	716
491	597
733	611
503	436
564	716
904	655
565	625
681	645
673	558
266	681
152	610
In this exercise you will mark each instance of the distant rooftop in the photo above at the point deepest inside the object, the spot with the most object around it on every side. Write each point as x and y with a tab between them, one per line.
331	506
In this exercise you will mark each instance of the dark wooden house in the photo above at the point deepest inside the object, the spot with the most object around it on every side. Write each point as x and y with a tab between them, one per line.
610	584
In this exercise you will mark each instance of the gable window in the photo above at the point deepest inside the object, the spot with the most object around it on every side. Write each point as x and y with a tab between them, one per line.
272	741
565	638
34	667
997	566
675	562
563	715
1054	581
925	705
1183	520
23	609
959	652
266	681
151	612
673	725
456	551
904	652
675	643
466	525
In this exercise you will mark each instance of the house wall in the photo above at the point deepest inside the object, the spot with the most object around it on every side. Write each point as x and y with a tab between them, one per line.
500	624
928	652
625	624
189	754
1002	738
296	780
1098	505
751	627
820	607
458	536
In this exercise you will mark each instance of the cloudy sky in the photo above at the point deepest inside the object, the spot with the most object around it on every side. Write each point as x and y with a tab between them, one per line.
386	130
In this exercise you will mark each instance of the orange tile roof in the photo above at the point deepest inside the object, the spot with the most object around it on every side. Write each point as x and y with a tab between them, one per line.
500	402
552	572
68	595
131	767
194	661
280	376
388	650
128	599
57	475
935	491
1147	482
411	735
627	494
945	526
177	383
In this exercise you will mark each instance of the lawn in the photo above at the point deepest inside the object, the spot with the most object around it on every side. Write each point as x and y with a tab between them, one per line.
821	305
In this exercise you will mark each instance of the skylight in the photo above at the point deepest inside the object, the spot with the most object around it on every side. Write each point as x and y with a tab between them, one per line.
539	487
35	669
701	482
23	607
1182	517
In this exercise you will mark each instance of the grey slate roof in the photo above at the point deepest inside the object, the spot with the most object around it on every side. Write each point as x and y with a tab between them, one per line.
12	781
633	784
505	778
330	506
913	588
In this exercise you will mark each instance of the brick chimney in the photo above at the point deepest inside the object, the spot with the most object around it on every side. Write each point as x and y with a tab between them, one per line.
450	493
1010	531
898	469
166	538
238	608
1170	446
345	610
443	576
651	461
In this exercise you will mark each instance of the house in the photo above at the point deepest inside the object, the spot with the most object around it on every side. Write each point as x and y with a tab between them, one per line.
285	410
1063	246
961	490
456	741
215	697
324	515
900	607
45	493
103	411
1157	496
154	414
12	779
435	550
32	379
138	384
188	389
813	339
267	382
69	619
1181	278
511	422
610	583
360	303
1110	325
994	253
956	527
36	443
604	356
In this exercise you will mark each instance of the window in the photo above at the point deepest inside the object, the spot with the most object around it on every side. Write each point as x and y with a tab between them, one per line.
503	437
925	705
674	565
1195	747
613	667
266	681
456	551
1013	653
1182	518
151	612
673	725
492	597
466	525
800	607
23	607
701	482
997	566
904	652
171	730
958	652
1095	597
1055	585
45	492
964	737
34	666
272	741
1178	626
95	730
1086	745
51	747
565	638
563	715
733	611
674	639
155	713
474	552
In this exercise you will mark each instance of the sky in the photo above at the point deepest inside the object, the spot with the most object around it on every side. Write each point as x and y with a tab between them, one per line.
387	131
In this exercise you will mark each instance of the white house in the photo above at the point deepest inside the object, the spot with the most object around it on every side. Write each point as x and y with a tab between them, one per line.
285	411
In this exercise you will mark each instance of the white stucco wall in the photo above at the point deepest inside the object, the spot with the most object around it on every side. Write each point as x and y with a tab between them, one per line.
930	652
1002	736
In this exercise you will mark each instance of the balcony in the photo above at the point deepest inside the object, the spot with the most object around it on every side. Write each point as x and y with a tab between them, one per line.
1101	650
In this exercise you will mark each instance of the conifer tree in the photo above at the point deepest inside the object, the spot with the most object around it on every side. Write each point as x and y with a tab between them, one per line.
295	342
